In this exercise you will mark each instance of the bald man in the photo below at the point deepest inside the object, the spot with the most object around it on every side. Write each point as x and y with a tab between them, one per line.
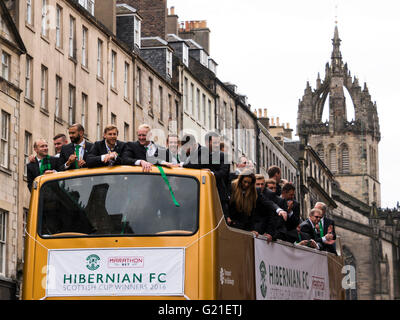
42	164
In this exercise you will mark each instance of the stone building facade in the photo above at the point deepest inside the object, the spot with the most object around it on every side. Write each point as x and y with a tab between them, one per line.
12	50
349	148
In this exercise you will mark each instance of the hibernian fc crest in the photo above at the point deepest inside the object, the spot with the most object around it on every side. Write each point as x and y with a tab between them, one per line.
92	262
263	273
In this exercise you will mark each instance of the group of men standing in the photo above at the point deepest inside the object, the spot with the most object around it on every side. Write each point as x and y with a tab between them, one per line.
317	231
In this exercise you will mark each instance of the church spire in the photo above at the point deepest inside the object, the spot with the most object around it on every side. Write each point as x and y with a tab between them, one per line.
336	54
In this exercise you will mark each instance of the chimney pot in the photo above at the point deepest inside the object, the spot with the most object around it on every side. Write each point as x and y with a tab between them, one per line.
172	11
259	113
288	125
265	112
277	121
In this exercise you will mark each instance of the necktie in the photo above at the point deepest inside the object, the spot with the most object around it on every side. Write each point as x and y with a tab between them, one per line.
77	147
177	158
321	229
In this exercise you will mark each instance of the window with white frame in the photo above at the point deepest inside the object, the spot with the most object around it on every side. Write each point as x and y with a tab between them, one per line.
99	122
29	12
204	108
43	87
126	81
27	150
5	139
137	31
113	119
185	93
113	68
126	131
209	115
88	5
139	85
28	77
169	63
84	112
45	27
3	241
185	54
191	98
5	65
198	104
150	95
72	41
85	46
71	105
161	100
59	29
100	58
58	102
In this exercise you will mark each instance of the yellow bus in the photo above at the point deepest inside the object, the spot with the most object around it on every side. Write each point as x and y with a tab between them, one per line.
120	233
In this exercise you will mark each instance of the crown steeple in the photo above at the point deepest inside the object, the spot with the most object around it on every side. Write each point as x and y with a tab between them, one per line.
336	54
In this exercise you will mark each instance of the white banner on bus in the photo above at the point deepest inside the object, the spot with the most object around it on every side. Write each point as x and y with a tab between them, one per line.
116	272
287	273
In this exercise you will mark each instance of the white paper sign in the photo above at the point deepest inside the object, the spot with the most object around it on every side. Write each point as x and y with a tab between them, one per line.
116	272
287	273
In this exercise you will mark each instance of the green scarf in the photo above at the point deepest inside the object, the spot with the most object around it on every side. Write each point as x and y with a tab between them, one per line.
321	229
45	166
77	147
164	176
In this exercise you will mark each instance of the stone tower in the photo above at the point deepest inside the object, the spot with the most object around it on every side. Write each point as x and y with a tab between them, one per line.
349	147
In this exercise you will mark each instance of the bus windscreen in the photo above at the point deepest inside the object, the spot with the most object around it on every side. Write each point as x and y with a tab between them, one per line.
118	205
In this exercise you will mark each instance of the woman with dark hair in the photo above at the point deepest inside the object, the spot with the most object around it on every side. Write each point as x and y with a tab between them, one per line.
243	201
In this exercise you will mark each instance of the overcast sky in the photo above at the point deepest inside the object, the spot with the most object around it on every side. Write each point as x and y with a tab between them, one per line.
270	49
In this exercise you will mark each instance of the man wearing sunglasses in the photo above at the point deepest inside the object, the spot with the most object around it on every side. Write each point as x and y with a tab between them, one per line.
309	228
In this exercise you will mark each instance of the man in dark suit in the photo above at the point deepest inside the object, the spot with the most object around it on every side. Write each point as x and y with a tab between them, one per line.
308	227
293	207
219	165
42	164
173	145
74	155
193	154
274	172
275	207
326	230
144	152
106	152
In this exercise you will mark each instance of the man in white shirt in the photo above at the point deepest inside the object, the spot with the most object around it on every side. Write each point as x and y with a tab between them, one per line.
74	154
144	152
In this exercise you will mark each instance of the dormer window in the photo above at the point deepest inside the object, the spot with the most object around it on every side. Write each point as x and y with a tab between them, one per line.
185	54
203	58
88	5
137	31
169	63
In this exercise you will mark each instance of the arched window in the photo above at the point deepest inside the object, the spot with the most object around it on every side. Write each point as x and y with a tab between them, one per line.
345	160
332	159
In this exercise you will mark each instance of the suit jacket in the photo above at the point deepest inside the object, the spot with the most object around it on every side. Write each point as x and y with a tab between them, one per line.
327	222
134	151
33	170
198	159
99	149
329	247
69	149
294	220
308	228
265	219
